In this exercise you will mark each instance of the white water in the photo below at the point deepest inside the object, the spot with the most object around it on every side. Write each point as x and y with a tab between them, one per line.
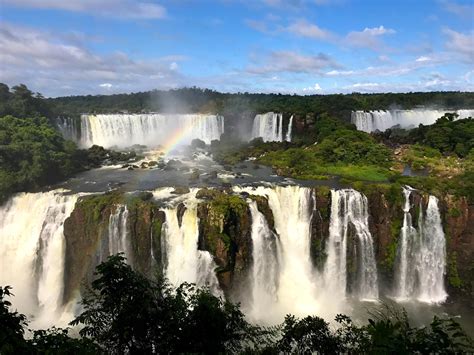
68	127
264	277
184	262
433	256
382	120
117	240
422	255
297	289
269	126
290	127
32	252
349	208
152	129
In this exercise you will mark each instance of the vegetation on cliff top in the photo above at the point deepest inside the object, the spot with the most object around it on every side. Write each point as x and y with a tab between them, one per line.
127	313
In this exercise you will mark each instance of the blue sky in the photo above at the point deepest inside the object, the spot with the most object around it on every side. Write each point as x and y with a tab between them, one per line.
68	47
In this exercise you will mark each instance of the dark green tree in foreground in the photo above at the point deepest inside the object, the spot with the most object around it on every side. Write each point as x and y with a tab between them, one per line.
125	313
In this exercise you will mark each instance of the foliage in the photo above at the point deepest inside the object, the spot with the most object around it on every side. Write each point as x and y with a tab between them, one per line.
204	100
446	135
21	102
12	325
126	313
33	154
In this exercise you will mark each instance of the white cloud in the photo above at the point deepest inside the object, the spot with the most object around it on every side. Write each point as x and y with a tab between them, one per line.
287	61
50	64
126	9
315	87
422	59
174	66
463	11
368	38
460	43
303	28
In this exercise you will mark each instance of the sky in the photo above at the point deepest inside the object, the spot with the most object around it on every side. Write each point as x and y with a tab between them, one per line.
75	47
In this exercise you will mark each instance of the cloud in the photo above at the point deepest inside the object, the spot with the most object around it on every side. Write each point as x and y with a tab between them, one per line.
316	87
422	59
303	28
292	62
386	70
368	38
124	9
460	43
463	11
50	64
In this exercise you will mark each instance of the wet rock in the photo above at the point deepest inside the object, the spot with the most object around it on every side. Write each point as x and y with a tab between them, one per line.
130	168
195	175
180	190
213	174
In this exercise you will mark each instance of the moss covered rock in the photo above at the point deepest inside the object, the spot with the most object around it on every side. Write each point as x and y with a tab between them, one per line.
225	231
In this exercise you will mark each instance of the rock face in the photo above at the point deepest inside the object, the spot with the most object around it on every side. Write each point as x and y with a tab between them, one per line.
320	226
225	231
459	228
88	225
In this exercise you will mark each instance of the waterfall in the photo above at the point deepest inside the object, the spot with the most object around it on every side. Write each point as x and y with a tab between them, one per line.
184	262
432	255
382	120
32	252
117	241
152	129
292	211
290	127
68	128
405	278
264	276
268	126
421	255
349	211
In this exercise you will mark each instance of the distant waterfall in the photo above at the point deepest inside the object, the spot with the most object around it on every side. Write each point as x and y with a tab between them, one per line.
184	262
264	282
269	126
382	120
152	129
32	251
68	127
349	209
290	127
422	255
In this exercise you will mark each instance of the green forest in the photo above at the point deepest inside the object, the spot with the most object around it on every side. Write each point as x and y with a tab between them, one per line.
205	100
126	313
33	154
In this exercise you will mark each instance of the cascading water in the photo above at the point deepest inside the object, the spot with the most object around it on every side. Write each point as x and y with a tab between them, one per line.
432	256
123	130
268	126
264	275
349	209
32	252
68	128
292	211
116	240
421	255
184	262
382	120
405	278
290	127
